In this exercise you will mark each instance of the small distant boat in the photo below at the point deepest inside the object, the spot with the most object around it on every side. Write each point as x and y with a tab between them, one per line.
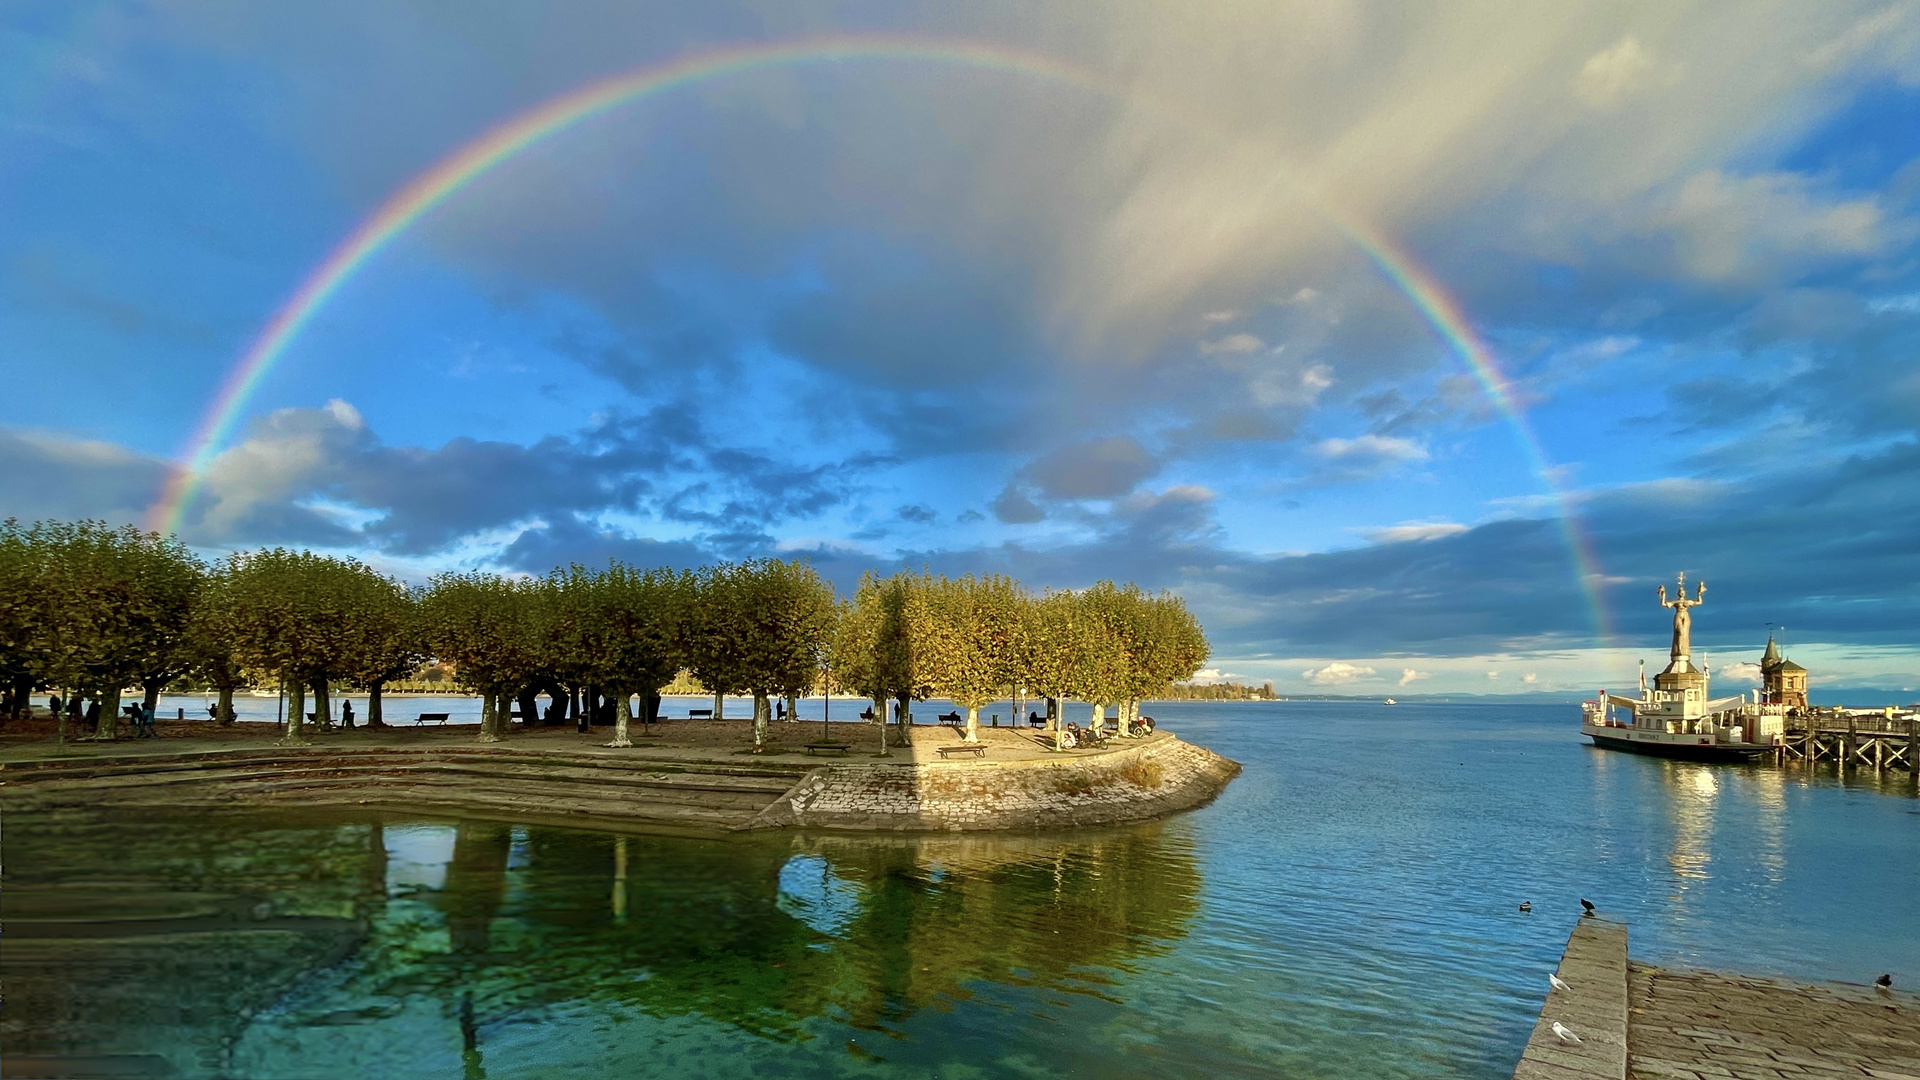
263	693
1389	701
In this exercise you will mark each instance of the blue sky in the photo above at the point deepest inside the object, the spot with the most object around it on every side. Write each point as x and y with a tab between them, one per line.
881	313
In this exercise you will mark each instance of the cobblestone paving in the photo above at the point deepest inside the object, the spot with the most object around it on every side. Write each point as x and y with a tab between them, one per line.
1690	1025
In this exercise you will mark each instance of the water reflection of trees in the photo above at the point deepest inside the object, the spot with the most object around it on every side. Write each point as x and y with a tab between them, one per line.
526	921
701	928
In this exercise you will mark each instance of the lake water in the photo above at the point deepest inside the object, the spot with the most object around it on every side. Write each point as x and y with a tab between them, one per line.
1347	909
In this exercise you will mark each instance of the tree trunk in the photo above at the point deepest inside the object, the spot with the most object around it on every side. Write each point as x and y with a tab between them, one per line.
622	718
903	722
719	705
374	717
59	725
151	697
322	703
529	705
880	716
973	724
109	713
296	711
578	700
223	708
650	706
486	717
762	715
793	709
1098	722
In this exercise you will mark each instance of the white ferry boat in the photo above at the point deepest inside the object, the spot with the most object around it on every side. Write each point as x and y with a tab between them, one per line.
1676	718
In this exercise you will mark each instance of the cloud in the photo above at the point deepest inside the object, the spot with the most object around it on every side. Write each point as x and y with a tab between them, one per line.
1233	343
1408	676
45	475
1493	676
1741	229
1210	676
1013	507
1530	678
1337	673
1101	469
918	514
1611	74
1412	531
1370	450
1745	671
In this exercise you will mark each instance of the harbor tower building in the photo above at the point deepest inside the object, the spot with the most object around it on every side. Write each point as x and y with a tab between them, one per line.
1782	681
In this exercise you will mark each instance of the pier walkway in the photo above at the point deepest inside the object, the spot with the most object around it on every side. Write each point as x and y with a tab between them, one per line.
1638	1021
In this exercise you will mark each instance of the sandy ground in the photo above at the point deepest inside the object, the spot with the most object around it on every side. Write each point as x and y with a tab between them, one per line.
29	739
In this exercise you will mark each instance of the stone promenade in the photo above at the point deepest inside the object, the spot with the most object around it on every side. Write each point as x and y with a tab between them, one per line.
1633	1020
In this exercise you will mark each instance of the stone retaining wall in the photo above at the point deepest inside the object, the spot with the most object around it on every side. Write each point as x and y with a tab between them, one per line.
1154	778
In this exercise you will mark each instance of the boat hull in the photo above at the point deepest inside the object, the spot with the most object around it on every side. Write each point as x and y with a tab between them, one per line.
1683	747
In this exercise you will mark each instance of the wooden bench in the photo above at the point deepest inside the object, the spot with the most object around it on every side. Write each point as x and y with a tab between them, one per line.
431	718
696	714
951	719
828	747
963	748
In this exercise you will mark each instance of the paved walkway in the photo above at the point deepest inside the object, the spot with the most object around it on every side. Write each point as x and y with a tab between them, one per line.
1636	1021
1692	1024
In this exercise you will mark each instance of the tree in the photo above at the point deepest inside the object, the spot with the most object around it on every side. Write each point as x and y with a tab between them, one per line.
105	608
971	641
1071	652
309	619
873	647
386	640
632	636
210	639
764	627
481	622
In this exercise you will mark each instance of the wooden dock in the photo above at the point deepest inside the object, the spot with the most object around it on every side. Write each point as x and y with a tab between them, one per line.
1853	740
1638	1021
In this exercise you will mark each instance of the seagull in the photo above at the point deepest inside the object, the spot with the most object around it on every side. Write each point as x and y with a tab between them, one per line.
1557	982
1526	905
1587	905
1884	982
1565	1033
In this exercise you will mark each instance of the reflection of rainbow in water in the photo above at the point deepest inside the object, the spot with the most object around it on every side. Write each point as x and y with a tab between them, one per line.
454	172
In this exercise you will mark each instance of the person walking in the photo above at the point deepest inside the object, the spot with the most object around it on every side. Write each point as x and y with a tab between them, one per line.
146	721
346	714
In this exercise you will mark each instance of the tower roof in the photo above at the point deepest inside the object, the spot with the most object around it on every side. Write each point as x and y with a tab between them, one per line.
1788	665
1772	655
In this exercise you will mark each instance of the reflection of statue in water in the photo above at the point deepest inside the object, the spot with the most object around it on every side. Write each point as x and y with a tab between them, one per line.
1682	621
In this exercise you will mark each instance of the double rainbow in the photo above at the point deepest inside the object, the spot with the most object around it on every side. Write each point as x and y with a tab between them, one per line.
453	173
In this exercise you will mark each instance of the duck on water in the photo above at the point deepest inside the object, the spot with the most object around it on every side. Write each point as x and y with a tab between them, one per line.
1676	718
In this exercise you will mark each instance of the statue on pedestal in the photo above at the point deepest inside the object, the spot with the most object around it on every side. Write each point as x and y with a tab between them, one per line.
1682	621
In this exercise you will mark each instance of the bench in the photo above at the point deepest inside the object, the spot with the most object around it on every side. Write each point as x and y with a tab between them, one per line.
951	719
431	718
963	748
828	747
696	714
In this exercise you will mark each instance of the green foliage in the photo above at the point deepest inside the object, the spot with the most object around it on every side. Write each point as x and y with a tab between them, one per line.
87	607
96	607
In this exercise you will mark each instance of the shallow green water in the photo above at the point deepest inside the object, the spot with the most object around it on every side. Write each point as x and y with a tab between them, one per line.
1347	909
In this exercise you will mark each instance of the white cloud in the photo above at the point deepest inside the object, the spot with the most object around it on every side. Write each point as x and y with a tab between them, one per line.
1610	75
1233	343
1529	678
1492	675
1212	675
1408	531
1409	676
1736	229
1338	673
1371	448
1745	671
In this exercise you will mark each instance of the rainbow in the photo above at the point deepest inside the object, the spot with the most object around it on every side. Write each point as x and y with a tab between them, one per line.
475	159
455	172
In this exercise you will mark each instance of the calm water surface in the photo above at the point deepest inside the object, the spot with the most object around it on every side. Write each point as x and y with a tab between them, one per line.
1347	909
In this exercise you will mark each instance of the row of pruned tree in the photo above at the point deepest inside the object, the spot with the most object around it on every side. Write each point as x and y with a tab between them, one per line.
91	610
